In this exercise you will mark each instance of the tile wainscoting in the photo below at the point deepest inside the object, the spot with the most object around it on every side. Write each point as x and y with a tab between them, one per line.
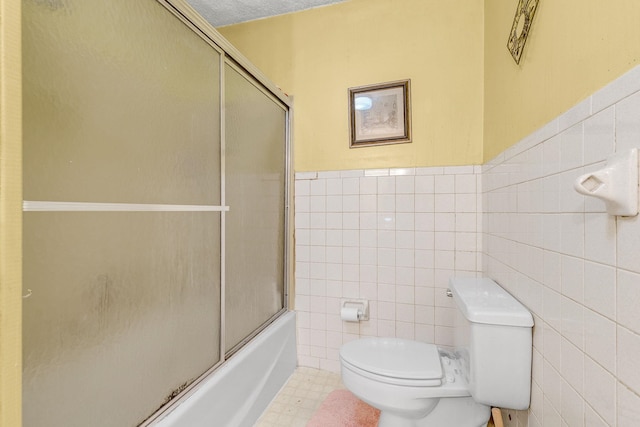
390	236
575	267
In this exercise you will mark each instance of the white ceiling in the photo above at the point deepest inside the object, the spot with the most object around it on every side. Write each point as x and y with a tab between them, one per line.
226	12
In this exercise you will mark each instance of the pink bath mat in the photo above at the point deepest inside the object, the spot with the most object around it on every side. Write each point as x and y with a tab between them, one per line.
342	409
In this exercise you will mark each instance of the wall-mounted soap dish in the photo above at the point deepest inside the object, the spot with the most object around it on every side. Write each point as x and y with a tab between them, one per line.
616	184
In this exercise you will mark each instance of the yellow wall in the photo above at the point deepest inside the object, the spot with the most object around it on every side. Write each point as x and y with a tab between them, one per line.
10	215
316	55
574	48
455	53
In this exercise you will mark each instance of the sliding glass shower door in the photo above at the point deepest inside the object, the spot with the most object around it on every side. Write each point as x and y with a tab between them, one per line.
122	188
255	174
155	187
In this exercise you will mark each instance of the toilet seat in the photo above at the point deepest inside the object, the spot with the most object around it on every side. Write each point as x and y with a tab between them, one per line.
394	361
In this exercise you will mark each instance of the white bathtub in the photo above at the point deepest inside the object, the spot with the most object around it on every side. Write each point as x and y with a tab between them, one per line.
239	391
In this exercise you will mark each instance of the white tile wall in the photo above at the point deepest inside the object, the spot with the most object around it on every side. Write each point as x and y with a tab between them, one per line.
391	236
576	268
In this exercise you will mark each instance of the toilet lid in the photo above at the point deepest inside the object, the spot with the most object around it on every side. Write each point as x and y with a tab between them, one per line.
394	357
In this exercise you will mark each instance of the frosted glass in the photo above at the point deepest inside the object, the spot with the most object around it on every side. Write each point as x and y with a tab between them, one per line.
121	104
254	190
124	310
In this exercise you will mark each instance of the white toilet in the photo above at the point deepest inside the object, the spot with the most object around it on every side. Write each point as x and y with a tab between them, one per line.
420	385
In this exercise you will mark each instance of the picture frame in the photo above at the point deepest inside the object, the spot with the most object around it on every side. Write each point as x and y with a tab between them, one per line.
380	114
521	27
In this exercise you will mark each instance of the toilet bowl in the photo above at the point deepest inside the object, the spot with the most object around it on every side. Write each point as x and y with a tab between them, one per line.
406	380
417	384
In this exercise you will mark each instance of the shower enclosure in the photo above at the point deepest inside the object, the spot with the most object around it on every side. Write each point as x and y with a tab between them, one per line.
156	193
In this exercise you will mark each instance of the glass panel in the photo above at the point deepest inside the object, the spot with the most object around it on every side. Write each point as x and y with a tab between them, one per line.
254	191
124	311
121	104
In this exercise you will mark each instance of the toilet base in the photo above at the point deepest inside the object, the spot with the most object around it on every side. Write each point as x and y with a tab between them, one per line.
450	411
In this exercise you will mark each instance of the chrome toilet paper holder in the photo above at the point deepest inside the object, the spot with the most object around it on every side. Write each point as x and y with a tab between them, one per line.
349	307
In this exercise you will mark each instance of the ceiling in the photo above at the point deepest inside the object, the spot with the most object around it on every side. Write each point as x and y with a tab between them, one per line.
227	12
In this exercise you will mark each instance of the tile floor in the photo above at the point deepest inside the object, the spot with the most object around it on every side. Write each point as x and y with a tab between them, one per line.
300	398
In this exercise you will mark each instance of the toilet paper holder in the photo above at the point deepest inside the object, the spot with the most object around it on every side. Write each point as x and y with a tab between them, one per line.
616	184
354	310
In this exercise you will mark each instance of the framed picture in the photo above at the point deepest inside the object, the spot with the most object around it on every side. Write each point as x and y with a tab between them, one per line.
521	27
380	114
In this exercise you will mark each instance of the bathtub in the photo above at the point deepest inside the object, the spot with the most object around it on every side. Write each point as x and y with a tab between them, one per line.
239	391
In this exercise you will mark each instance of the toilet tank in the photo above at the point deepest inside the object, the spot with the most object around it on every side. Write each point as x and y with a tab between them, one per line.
493	338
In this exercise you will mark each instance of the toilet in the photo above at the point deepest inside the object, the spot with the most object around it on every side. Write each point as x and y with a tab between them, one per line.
416	384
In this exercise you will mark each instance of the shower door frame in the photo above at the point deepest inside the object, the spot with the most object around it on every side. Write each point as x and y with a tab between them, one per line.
229	55
232	63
